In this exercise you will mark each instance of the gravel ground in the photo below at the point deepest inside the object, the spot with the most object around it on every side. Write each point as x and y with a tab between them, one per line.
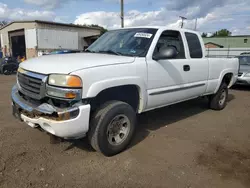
185	145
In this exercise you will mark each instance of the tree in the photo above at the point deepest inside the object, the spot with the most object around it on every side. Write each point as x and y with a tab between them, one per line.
103	30
222	33
3	23
204	34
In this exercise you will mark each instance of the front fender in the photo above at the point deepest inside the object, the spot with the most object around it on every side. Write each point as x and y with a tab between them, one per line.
99	86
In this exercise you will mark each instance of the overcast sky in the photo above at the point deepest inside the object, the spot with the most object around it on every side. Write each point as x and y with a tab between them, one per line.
211	14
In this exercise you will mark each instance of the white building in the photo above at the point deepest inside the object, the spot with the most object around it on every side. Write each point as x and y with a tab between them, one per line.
29	38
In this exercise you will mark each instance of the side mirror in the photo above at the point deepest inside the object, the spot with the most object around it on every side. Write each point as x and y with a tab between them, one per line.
168	52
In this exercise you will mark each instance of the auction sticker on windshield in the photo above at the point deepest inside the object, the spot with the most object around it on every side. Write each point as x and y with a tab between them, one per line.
143	35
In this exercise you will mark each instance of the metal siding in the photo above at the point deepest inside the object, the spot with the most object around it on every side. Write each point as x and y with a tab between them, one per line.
232	42
30	38
57	39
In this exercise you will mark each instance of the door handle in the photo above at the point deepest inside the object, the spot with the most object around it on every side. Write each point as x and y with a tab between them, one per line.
186	67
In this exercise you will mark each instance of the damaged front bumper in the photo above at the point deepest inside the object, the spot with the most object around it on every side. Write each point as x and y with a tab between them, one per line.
67	123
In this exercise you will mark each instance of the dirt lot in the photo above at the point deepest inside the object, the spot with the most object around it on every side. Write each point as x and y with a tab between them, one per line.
185	145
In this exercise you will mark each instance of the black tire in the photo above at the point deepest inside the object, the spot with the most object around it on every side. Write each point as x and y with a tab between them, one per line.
5	71
100	121
216	101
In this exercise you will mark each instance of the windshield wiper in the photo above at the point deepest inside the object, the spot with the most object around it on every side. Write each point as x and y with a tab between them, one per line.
110	52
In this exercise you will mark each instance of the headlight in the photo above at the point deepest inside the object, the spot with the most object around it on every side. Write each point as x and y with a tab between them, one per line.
65	81
64	86
247	75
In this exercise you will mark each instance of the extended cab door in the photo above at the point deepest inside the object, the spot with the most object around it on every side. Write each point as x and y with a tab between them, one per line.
197	76
174	80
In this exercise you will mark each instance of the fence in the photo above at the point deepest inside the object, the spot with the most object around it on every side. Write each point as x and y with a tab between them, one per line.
225	52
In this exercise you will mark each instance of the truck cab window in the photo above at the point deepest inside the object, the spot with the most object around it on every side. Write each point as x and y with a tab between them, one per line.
171	38
194	45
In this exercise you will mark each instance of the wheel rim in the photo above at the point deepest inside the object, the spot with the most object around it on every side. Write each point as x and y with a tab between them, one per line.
5	71
118	130
222	97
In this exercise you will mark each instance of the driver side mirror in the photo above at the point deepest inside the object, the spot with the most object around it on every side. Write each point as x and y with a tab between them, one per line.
167	52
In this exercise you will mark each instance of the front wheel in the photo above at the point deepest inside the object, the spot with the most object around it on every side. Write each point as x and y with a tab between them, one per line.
112	127
218	101
5	71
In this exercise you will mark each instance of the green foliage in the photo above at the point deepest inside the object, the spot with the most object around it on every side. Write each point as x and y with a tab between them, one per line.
222	33
103	30
204	34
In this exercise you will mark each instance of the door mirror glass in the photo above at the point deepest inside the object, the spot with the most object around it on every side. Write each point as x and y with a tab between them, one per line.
166	52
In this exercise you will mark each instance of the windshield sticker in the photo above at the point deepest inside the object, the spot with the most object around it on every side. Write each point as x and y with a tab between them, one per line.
143	35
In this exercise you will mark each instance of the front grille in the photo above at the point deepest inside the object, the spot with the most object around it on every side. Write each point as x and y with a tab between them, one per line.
240	74
31	86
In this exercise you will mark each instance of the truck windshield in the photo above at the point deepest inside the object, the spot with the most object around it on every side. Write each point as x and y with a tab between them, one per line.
127	42
244	60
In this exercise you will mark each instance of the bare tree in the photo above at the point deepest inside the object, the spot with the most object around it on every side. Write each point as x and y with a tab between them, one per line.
3	23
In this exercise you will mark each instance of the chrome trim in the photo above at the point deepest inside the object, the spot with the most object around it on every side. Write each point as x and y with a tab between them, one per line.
43	108
33	74
176	89
19	101
78	92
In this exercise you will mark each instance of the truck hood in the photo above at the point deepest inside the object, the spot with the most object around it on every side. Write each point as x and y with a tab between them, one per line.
244	68
67	63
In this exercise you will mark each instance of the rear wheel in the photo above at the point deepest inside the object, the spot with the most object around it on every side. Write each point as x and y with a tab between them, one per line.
112	127
218	101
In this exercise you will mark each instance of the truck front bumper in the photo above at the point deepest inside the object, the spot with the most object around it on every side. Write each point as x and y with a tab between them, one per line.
71	123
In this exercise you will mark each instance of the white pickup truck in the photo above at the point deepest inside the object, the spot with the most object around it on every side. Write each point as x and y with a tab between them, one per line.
125	72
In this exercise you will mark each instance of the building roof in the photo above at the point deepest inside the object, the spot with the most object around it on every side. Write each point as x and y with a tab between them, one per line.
51	23
214	44
233	36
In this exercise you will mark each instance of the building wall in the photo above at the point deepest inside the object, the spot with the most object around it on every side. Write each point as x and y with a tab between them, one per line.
31	52
82	32
57	39
15	26
31	43
230	42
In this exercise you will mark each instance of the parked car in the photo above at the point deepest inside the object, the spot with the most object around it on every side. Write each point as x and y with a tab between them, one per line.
125	72
8	65
244	70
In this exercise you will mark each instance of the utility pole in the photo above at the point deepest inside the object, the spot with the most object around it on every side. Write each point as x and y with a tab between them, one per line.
122	14
182	21
195	27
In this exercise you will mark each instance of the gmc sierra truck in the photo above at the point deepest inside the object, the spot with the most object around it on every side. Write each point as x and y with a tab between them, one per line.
126	72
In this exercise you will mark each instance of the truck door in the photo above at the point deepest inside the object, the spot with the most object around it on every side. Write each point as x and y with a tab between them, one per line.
197	66
166	78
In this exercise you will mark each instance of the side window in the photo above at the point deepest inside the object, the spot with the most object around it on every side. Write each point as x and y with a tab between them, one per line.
194	45
171	38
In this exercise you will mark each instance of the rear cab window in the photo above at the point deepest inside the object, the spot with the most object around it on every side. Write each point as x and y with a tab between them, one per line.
194	45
